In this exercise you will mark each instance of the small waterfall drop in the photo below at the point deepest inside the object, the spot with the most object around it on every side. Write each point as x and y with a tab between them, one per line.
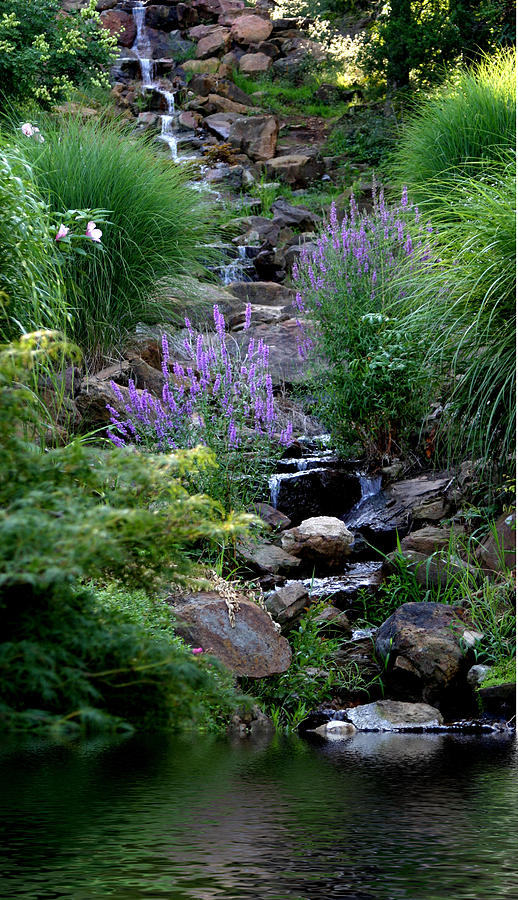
168	136
141	47
370	486
235	270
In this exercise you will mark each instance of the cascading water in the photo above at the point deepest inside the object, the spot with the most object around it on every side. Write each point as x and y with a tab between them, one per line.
141	47
235	270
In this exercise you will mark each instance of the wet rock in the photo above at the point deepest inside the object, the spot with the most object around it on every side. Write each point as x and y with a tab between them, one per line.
389	514
251	29
120	24
322	541
320	490
161	17
254	63
335	730
295	168
251	647
497	551
394	715
256	136
420	645
343	590
498	699
268	559
287	603
216	42
246	723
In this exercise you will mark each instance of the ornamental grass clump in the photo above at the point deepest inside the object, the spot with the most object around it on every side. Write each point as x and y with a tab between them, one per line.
368	380
220	399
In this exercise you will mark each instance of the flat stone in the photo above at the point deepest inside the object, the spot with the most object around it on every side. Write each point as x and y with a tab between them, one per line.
253	647
394	715
263	293
223	104
429	539
295	168
269	559
201	66
220	124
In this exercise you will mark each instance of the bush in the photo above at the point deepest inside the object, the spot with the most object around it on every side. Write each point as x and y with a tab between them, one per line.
31	286
157	227
472	117
72	514
221	401
44	51
372	384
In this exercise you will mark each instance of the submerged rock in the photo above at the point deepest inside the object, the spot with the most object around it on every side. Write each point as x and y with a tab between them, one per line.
394	715
248	645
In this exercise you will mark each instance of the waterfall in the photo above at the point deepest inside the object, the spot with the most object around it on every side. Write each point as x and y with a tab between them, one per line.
235	270
370	486
141	47
167	135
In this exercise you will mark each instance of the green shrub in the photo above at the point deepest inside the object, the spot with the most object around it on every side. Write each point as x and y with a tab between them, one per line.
313	677
472	117
157	227
77	513
369	384
44	52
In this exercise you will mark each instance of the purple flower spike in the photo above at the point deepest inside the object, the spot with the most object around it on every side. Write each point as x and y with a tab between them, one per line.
248	316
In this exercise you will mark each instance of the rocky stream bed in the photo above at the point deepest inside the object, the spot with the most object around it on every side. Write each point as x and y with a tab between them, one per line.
333	524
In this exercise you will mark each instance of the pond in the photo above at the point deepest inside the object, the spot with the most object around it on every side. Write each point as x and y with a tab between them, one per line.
376	817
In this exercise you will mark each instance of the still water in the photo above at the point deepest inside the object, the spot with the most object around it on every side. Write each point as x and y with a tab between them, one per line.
379	817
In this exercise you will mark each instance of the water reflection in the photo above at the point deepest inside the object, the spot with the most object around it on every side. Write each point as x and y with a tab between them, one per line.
377	817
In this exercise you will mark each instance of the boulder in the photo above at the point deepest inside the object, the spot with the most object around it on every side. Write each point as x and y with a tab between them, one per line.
319	541
333	621
201	31
286	366
384	517
434	571
256	136
295	168
121	24
477	674
250	646
420	645
394	715
335	730
220	124
329	491
162	17
254	63
189	120
93	398
287	604
250	723
263	293
223	104
497	551
429	539
272	517
201	66
187	15
216	42
294	216
251	29
268	559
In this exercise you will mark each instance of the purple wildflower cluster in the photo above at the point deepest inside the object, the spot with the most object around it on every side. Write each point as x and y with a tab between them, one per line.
358	257
217	399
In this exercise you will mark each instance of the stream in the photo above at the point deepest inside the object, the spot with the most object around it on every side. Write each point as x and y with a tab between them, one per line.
377	817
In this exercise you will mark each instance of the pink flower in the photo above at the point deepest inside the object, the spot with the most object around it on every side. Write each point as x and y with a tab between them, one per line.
93	232
197	650
62	232
27	129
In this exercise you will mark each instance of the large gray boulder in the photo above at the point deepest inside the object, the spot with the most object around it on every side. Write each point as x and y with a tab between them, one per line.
256	136
394	715
247	642
423	649
322	541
